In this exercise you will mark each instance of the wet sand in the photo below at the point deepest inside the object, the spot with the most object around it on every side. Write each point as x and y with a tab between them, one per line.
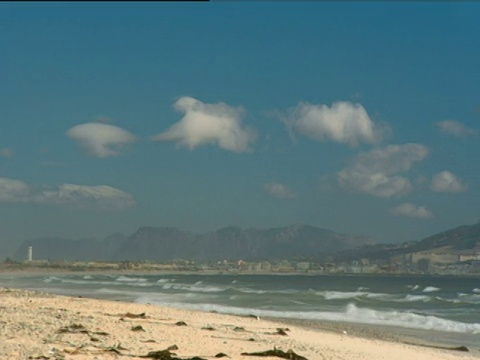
36	325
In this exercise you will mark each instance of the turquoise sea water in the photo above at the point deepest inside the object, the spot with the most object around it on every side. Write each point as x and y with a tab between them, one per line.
447	305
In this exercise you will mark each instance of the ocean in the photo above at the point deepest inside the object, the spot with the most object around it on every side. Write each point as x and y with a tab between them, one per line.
435	309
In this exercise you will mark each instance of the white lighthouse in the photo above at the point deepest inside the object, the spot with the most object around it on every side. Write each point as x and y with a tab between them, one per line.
30	253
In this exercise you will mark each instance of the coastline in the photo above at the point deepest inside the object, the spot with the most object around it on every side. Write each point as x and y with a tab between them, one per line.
45	326
416	337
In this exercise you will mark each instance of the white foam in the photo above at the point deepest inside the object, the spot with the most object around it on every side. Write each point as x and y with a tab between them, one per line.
414	298
163	281
431	289
130	279
336	295
197	287
351	313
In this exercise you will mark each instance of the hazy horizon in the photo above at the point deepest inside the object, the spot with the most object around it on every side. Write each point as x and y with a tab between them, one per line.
358	117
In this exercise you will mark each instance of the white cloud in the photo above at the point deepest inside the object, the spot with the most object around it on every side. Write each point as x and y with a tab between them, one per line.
6	153
279	191
376	172
412	210
101	140
13	190
456	128
100	196
343	122
209	124
445	181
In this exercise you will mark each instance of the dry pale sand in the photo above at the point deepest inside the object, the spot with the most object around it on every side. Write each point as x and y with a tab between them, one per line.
43	326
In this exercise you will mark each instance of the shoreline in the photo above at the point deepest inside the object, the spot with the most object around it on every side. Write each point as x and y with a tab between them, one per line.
31	323
397	334
29	269
409	336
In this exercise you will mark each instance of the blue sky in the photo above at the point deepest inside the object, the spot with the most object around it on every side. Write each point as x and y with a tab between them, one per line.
358	117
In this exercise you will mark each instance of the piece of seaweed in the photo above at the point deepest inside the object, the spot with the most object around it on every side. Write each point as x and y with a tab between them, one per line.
290	355
79	329
135	316
73	329
137	328
159	355
457	348
166	355
210	328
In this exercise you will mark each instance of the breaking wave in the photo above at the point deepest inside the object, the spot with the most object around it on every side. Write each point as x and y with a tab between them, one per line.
351	313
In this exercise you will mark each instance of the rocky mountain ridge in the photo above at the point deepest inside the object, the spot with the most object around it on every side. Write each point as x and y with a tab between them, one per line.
169	243
296	242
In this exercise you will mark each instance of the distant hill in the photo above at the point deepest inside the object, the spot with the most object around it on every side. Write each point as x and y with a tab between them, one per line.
168	243
458	240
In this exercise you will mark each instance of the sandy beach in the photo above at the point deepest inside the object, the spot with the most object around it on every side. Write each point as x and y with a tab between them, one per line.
37	325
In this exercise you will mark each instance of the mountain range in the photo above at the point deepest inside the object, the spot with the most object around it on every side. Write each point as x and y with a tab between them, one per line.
169	243
296	242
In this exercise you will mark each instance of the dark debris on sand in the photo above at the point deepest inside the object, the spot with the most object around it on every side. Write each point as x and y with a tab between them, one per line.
79	329
290	355
134	316
167	355
137	328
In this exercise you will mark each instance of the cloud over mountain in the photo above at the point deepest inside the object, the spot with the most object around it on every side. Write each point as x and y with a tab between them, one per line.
445	181
376	172
101	140
412	210
99	196
204	124
12	190
279	191
343	122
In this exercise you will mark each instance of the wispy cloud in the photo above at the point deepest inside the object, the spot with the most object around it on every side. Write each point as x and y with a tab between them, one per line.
6	153
445	181
343	122
279	191
83	196
456	129
12	190
203	124
101	140
376	172
103	196
412	210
